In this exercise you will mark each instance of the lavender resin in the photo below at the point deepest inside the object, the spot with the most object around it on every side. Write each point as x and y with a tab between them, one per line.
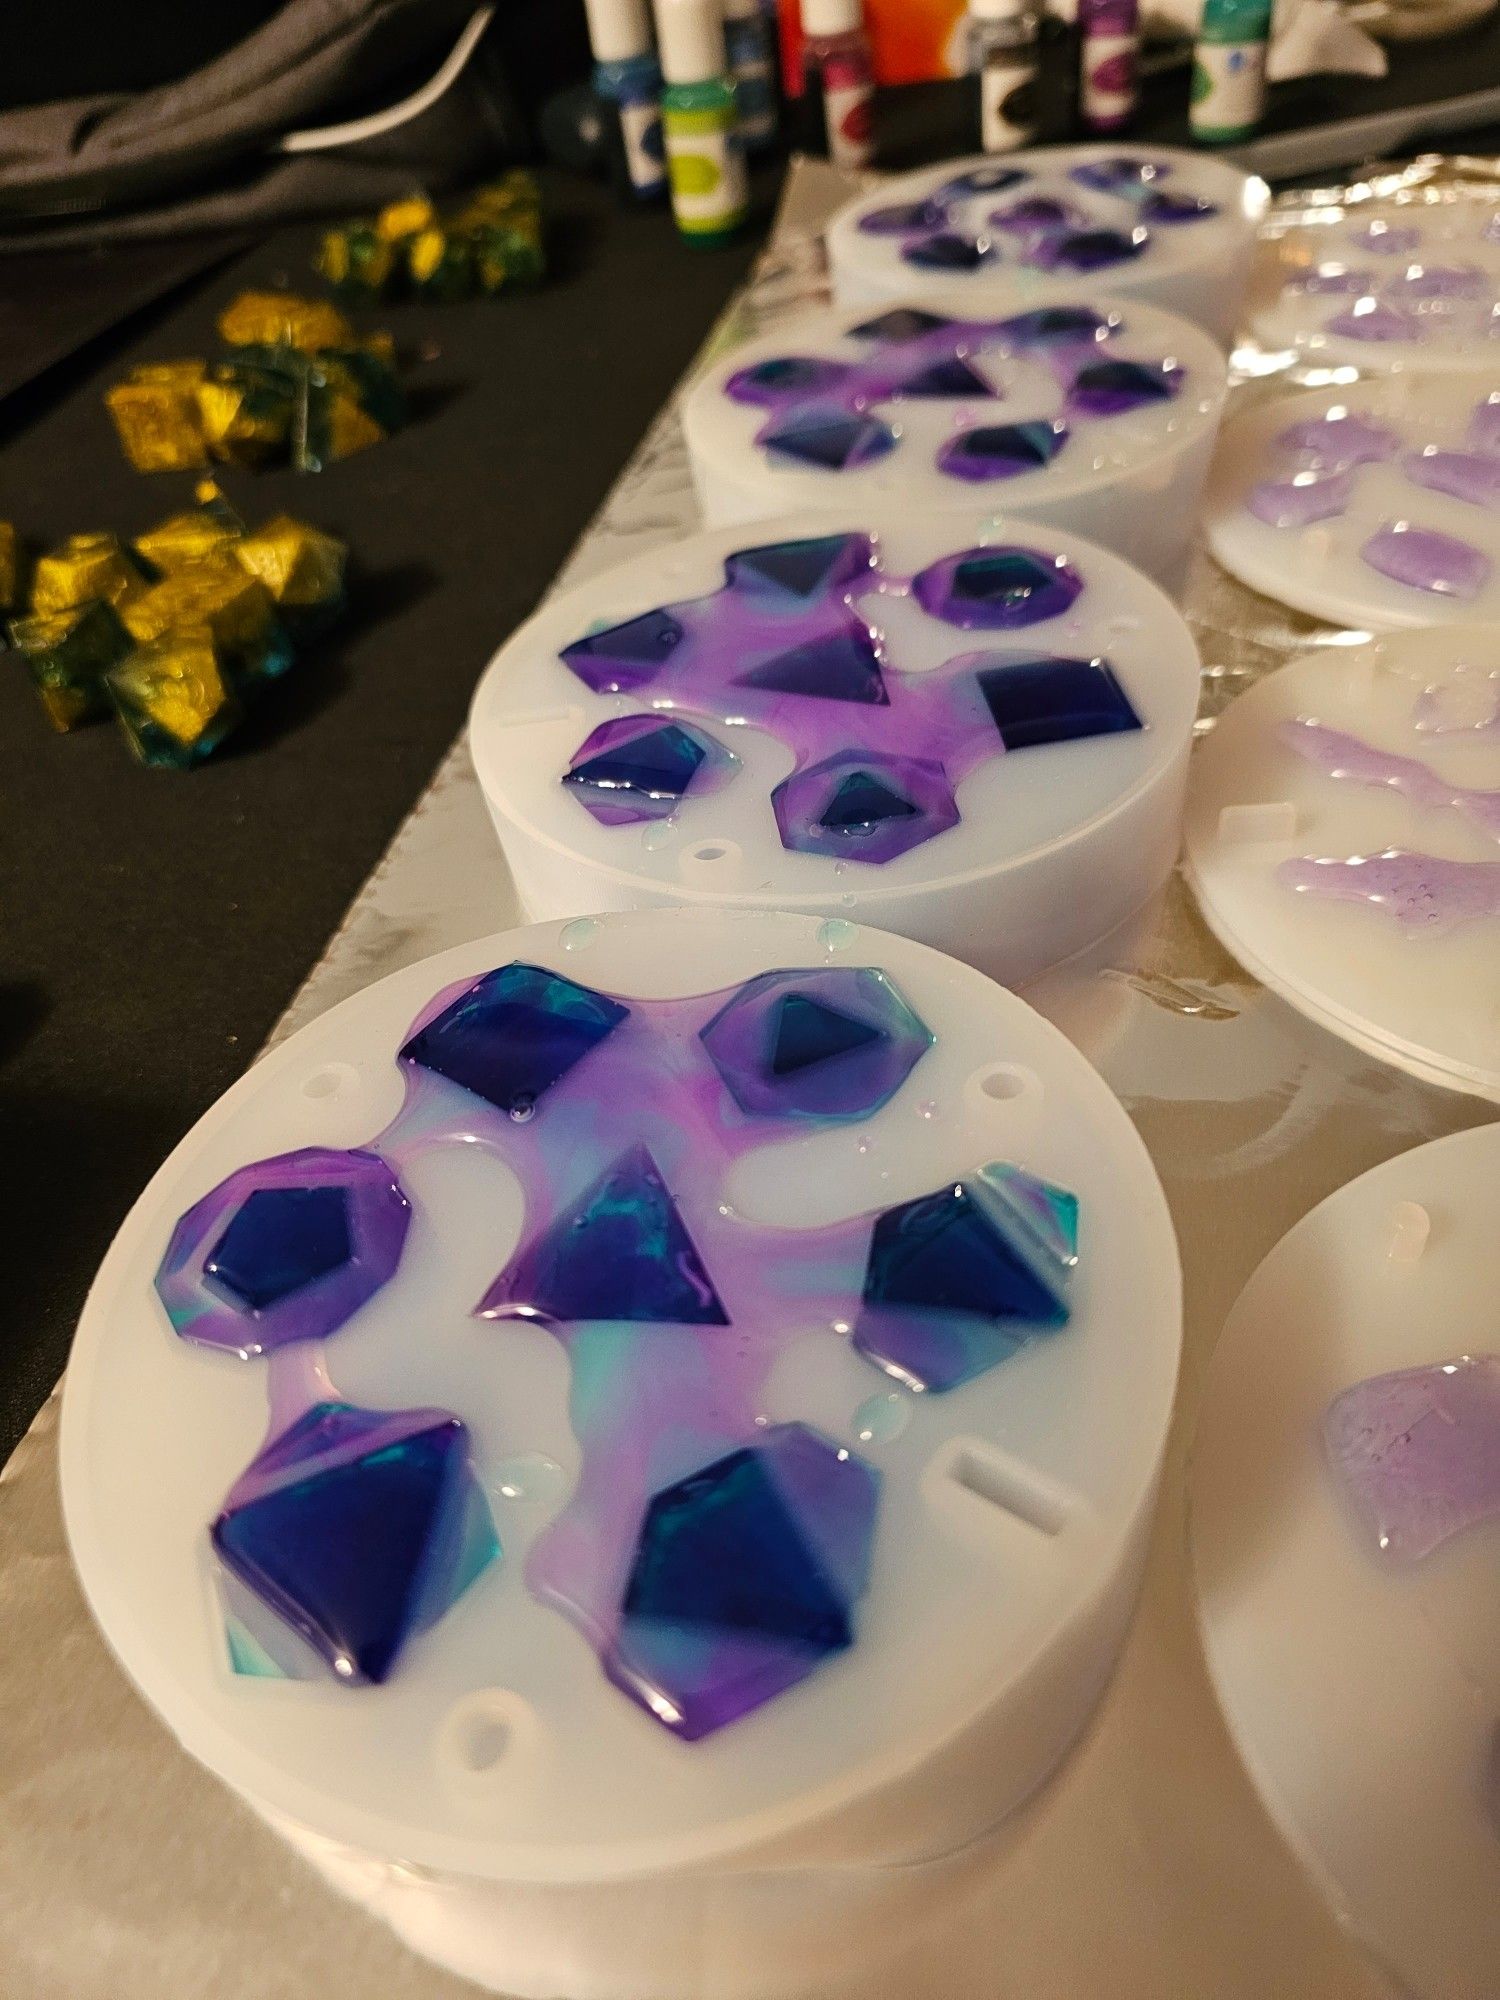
711	1559
1418	1452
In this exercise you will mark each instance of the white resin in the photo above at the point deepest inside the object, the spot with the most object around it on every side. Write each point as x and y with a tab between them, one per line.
1056	846
1363	1695
990	1624
1198	269
1130	481
1428	1001
1318	569
1416	239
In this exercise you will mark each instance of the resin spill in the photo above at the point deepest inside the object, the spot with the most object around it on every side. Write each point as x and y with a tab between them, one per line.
1418	1452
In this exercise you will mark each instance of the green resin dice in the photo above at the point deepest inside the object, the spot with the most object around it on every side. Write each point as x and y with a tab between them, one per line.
68	653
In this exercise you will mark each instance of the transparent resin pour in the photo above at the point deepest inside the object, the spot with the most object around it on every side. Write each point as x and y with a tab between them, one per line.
711	1558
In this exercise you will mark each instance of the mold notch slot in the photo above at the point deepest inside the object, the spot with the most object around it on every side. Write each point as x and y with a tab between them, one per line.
993	1476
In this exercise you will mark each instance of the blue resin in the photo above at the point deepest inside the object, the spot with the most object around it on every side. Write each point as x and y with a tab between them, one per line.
862	802
625	656
795	572
806	1032
1110	388
279	1240
1046	700
1000	451
957	1280
835	1043
513	1034
354	1530
994	588
947	252
951	376
830	439
621	1252
901	323
745	1578
659	764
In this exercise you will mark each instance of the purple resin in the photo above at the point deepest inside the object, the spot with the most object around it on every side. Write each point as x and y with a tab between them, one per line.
1386	239
1418	1452
1301	500
1339	755
1440	281
1372	320
1426	559
1335	281
1466	475
792	644
956	360
375	1216
615	801
1332	443
1484	425
879	1041
1087	219
1422	892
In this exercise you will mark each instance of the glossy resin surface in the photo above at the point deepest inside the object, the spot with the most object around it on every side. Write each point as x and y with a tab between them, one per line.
1374	506
738	1263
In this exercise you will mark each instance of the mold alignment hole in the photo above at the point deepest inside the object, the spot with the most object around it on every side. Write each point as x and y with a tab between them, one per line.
1003	1081
478	1735
711	850
331	1080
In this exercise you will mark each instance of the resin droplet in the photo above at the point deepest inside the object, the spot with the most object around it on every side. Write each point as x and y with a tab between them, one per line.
745	1579
881	1418
1418	1452
1001	451
352	1531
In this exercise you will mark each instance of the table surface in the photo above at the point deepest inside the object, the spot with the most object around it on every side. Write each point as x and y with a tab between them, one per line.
153	924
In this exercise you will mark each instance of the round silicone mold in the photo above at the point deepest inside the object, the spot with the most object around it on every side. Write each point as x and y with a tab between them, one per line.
1390	284
980	741
1376	505
1343	840
1095	418
1060	222
732	1466
1345	1525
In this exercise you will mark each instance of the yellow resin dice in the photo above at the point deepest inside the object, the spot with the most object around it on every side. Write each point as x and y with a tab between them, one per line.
81	568
282	319
155	413
174	699
302	568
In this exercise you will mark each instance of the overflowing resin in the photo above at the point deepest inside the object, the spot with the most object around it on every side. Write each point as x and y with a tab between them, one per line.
1027	390
794	643
1096	216
713	1559
1418	1452
1423	277
1323	469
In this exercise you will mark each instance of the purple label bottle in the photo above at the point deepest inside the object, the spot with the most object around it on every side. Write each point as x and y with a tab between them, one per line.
1109	35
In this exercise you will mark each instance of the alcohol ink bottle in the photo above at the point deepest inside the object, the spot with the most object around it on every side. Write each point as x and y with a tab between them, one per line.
749	39
627	79
1229	70
1004	51
1109	37
838	79
700	123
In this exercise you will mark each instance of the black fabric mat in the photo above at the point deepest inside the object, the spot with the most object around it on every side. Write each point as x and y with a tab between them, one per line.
154	924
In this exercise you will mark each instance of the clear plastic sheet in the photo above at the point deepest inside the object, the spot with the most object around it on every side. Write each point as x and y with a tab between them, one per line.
1147	1868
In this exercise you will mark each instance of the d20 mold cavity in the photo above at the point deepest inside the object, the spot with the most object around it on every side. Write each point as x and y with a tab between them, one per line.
745	1579
1044	700
284	1251
864	808
636	768
353	1531
831	1042
998	589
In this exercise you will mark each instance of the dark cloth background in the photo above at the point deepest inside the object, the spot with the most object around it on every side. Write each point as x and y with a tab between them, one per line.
154	924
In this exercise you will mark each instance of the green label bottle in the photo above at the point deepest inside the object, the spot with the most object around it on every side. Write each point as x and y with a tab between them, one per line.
700	123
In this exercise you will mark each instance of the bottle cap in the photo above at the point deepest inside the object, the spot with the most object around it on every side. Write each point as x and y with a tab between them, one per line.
832	17
618	29
690	39
742	10
998	10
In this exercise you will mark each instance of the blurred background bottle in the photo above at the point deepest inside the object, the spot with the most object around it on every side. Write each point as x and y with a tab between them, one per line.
700	122
627	79
1004	51
838	82
749	42
1109	39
